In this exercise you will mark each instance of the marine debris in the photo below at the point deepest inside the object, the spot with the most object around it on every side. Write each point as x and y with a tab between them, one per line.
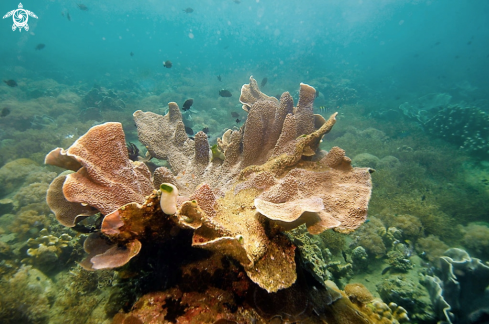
273	177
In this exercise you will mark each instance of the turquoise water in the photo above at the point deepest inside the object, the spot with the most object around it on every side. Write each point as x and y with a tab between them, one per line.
408	79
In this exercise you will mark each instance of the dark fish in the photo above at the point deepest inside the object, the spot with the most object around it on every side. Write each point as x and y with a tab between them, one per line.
237	1
189	130
386	270
437	43
264	82
219	77
68	16
344	256
234	114
225	93
132	54
132	151
40	46
238	120
167	64
82	6
84	229
187	104
188	10
5	112
469	42
317	93
423	197
205	130
10	83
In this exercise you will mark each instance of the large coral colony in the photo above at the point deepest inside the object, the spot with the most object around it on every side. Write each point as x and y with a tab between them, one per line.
238	197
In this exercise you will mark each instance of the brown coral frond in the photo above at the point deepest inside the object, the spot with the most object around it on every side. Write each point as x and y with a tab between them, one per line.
66	212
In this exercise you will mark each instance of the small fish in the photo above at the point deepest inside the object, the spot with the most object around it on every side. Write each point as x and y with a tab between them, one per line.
234	114
437	43
238	120
219	77
344	256
5	112
205	130
132	54
188	10
187	104
68	16
40	46
217	153
225	93
264	82
11	83
469	42
317	93
82	6
386	270
189	130
237	1
423	197
132	151
167	64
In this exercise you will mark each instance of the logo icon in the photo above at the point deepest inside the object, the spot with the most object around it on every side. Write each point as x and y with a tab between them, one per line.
20	17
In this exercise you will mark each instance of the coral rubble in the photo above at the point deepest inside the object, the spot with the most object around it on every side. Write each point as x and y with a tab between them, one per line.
273	178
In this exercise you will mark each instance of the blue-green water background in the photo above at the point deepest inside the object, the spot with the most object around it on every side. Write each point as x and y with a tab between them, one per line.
424	46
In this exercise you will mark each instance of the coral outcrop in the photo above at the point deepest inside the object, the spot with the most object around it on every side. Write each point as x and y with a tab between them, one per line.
105	178
46	249
459	295
273	178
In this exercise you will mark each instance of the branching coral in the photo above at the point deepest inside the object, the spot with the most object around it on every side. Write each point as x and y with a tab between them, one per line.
273	178
46	249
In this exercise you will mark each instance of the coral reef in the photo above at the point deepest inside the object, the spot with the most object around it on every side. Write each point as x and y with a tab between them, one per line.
105	179
359	301
369	236
102	98
365	160
13	174
460	294
237	207
476	239
398	261
359	258
45	250
431	247
411	295
411	226
26	297
315	256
